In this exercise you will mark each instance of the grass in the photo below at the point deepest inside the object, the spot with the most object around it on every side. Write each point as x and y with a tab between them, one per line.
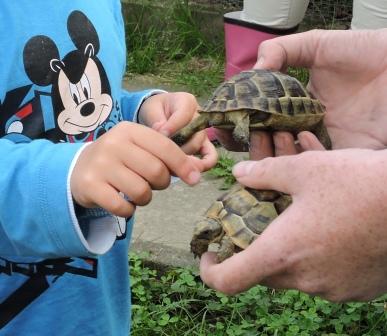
223	170
301	74
175	49
176	302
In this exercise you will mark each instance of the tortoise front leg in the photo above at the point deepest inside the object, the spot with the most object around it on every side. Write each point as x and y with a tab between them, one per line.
226	249
196	125
241	120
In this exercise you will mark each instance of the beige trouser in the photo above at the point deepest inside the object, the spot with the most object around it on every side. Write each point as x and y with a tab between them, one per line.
367	14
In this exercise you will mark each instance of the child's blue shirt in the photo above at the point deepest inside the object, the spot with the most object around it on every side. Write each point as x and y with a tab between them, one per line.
63	270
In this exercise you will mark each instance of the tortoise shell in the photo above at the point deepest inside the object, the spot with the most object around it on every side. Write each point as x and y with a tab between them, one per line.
263	90
259	100
236	219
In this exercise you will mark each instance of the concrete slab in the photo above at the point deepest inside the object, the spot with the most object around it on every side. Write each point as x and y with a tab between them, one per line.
164	227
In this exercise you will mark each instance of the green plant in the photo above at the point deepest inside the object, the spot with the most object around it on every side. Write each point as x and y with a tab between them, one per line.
223	169
170	42
176	302
188	33
301	74
142	42
199	75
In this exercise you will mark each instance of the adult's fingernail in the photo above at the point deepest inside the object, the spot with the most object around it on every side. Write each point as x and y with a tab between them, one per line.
194	177
243	168
260	62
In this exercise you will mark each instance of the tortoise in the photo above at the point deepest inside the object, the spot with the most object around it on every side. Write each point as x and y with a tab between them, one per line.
252	100
259	100
237	218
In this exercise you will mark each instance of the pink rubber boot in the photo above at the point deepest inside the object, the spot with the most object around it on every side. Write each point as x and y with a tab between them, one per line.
242	39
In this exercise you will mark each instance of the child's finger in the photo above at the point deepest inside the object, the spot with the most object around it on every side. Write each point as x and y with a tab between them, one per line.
136	188
176	121
194	143
148	166
109	199
208	159
209	155
167	151
180	107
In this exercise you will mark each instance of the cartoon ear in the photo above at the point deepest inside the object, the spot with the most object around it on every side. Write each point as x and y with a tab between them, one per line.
39	55
82	33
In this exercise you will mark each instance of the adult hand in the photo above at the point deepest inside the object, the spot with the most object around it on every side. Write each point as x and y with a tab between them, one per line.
331	241
132	159
169	112
348	71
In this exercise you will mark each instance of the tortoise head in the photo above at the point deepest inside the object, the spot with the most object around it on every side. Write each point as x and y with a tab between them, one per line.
207	231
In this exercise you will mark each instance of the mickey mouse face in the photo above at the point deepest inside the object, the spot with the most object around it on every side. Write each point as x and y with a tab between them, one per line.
85	106
80	89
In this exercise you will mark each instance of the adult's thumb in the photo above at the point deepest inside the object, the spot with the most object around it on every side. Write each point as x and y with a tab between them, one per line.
296	50
274	173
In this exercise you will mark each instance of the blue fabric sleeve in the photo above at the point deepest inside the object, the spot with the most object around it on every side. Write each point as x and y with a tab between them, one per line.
131	102
35	216
34	213
97	228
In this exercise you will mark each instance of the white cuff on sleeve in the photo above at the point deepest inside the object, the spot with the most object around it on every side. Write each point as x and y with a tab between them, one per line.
101	231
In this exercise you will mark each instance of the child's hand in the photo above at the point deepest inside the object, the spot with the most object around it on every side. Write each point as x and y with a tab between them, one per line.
169	112
132	159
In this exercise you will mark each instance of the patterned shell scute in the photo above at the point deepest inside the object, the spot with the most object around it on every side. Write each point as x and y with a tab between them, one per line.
245	212
236	219
264	90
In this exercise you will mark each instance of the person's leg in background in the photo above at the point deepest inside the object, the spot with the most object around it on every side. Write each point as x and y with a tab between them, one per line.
369	14
258	21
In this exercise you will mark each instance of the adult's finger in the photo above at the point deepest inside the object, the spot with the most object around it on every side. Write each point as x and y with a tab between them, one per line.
284	144
323	49
271	173
226	138
308	141
266	257
235	274
261	145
